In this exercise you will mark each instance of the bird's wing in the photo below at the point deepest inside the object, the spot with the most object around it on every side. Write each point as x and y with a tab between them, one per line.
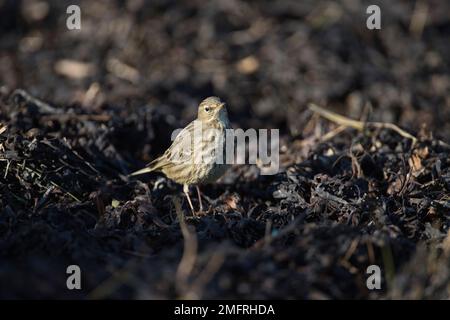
182	148
180	151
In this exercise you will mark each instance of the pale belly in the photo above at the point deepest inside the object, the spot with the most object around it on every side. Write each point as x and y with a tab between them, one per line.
214	159
210	170
216	172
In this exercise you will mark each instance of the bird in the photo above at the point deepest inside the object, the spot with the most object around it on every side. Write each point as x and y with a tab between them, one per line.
197	154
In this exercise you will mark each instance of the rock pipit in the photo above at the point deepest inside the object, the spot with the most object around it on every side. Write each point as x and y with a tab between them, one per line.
197	155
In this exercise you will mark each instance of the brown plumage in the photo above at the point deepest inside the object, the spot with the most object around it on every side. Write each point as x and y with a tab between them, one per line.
196	156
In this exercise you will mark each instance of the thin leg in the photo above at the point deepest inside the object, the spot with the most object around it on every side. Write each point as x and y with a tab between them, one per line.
199	198
186	192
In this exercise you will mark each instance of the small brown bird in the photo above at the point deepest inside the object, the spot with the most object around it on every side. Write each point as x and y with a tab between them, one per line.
197	155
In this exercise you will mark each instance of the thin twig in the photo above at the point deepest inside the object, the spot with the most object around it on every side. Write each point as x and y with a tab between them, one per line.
43	106
321	193
67	144
359	125
212	267
419	19
8	162
44	198
189	257
331	134
3	128
53	183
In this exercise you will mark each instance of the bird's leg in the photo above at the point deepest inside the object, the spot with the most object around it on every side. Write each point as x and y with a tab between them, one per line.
186	192
199	198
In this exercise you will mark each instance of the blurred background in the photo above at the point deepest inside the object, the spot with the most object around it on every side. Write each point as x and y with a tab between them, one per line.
267	59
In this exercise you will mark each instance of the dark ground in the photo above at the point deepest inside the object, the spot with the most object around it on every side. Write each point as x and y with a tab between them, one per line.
116	89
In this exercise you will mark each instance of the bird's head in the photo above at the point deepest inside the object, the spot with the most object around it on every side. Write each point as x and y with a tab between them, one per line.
212	108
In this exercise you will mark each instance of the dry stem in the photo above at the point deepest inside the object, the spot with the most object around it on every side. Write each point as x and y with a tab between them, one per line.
359	125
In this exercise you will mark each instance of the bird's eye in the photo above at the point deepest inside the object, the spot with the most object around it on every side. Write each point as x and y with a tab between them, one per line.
207	109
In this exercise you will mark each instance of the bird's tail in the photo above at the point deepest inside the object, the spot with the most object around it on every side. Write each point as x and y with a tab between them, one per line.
155	165
142	171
